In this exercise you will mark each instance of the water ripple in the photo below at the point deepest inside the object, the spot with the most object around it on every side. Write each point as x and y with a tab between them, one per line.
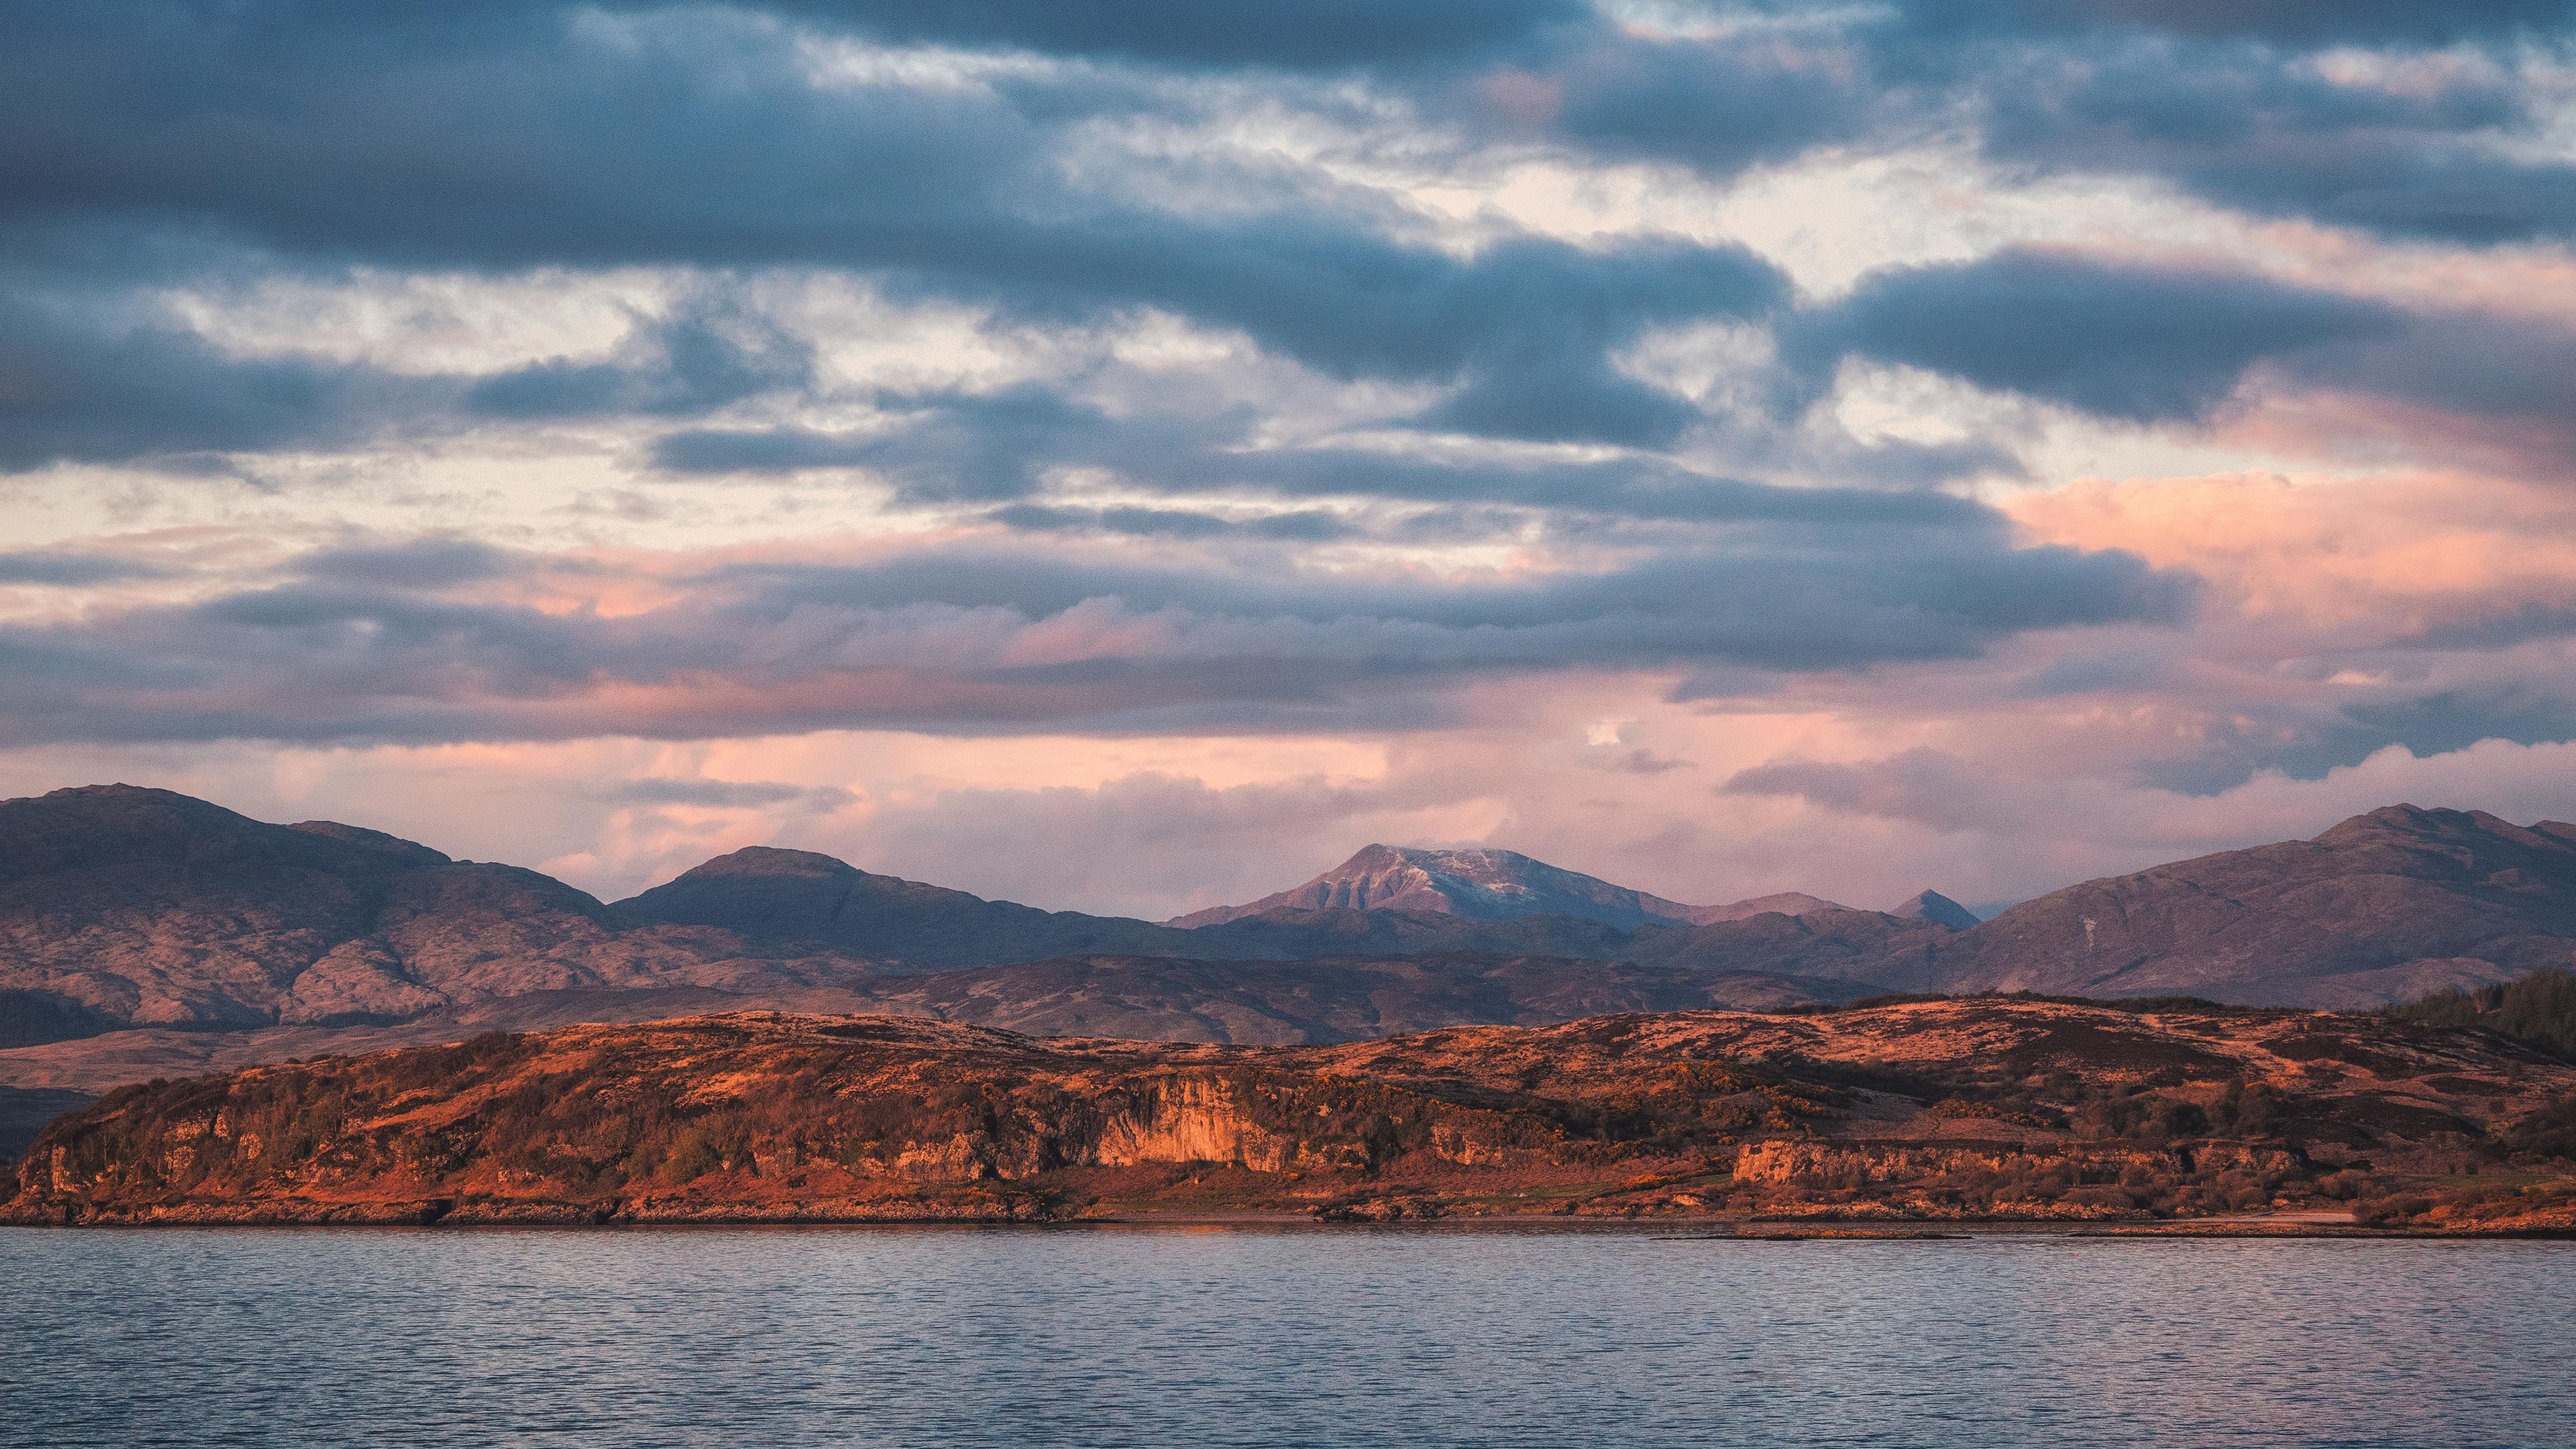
1242	1336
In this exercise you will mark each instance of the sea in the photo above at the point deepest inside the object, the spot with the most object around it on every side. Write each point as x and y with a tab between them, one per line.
1275	1336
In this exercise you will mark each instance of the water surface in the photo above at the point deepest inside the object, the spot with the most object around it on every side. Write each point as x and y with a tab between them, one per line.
1257	1336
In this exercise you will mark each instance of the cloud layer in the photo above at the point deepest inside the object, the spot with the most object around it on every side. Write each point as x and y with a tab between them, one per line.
1913	429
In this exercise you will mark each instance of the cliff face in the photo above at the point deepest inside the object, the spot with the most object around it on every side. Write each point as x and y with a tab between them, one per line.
1955	1109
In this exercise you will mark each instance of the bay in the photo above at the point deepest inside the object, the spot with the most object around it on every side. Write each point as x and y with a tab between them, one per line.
1274	1336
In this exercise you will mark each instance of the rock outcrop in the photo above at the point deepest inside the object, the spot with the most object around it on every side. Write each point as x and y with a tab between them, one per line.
1989	1108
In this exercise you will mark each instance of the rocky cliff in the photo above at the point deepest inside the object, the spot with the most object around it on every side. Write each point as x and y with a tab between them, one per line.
1994	1108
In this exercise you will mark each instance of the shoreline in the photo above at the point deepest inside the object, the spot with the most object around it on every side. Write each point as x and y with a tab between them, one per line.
1704	1228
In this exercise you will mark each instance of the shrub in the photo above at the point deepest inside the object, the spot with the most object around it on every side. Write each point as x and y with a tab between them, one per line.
2539	1010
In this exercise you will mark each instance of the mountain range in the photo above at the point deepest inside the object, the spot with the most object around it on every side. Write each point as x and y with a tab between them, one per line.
142	926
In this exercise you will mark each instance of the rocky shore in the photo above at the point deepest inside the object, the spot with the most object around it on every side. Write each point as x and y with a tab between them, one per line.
1963	1111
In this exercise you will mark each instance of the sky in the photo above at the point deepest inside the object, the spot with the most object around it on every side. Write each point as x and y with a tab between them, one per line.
1125	457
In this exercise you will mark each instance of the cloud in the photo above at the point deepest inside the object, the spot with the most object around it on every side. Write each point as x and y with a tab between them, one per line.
1325	34
725	794
1303	526
2143	344
708	354
704	138
72	568
77	384
2273	116
2297	23
980	637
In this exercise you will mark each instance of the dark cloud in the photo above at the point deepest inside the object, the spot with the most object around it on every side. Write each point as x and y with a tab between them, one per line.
707	355
2287	22
1316	34
2137	343
2304	738
999	446
77	384
71	568
702	140
421	563
1303	526
724	794
2252	129
1641	762
2229	101
1927	786
973	638
1717	106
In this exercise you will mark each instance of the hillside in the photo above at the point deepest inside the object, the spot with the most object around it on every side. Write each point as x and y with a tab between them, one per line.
1153	998
125	907
2382	907
1950	1110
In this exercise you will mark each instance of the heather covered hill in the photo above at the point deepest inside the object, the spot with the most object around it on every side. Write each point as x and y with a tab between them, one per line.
1153	998
1333	999
1943	1110
2382	907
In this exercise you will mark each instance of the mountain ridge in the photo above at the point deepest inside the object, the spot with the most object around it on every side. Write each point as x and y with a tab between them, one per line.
128	910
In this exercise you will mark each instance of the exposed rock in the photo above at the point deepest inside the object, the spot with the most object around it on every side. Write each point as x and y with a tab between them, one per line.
1993	1108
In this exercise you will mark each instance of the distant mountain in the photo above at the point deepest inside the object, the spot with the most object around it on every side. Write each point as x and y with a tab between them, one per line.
124	907
1485	885
129	913
2382	907
1836	945
150	929
1783	903
1939	909
799	896
801	901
